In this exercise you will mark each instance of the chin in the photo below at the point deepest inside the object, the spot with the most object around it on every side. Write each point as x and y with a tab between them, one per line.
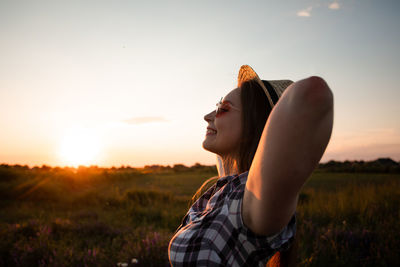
207	146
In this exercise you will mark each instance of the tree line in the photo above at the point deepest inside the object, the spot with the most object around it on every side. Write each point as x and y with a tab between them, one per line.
380	165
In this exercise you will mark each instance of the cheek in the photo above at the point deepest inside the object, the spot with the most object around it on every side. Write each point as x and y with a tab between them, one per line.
236	133
229	130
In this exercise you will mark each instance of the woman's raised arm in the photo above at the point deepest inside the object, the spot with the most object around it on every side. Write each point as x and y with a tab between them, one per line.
291	145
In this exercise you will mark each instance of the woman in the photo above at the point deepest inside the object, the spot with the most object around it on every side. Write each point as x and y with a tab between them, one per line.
266	149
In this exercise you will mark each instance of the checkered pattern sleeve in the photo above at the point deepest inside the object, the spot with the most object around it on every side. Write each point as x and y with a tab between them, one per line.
213	233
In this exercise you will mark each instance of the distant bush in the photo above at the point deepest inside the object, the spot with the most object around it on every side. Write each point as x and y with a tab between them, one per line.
8	173
382	165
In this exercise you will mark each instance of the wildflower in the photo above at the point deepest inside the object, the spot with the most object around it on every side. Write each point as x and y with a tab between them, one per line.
134	261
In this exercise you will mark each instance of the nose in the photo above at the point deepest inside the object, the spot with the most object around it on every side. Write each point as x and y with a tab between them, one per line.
210	116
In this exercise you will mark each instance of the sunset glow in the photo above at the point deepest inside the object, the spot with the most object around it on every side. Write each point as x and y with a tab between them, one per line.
79	147
114	83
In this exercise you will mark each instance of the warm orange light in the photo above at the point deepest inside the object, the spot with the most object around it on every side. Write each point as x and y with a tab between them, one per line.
79	147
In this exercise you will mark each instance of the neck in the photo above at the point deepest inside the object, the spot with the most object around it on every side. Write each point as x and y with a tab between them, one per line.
226	166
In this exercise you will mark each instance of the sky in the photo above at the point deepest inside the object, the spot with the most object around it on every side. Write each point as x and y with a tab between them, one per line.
114	83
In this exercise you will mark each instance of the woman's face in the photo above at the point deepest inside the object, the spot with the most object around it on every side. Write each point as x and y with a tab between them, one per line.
224	129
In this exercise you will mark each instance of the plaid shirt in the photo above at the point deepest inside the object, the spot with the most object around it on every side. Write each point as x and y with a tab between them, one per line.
213	234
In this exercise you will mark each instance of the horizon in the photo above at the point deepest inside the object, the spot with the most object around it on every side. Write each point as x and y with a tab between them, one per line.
165	166
128	83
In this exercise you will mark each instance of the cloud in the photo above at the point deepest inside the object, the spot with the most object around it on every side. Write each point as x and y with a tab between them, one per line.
143	120
305	12
366	144
364	152
334	5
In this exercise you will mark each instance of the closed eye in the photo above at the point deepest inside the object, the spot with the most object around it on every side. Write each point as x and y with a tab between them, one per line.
221	110
223	107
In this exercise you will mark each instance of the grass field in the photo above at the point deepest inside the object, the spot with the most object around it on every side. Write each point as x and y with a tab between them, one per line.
105	217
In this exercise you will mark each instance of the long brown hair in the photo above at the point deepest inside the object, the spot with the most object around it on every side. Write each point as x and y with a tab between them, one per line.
255	112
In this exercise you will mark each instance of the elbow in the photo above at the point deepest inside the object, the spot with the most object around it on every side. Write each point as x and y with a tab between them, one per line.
315	93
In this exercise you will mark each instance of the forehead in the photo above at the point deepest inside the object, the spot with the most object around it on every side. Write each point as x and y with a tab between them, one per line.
233	96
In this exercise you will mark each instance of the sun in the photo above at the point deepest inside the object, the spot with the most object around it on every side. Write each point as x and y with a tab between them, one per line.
79	146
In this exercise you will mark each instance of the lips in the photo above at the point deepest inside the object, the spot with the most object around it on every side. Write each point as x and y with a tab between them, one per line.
210	131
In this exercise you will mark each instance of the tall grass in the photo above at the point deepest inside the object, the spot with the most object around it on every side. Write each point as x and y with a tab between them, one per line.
105	217
352	223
